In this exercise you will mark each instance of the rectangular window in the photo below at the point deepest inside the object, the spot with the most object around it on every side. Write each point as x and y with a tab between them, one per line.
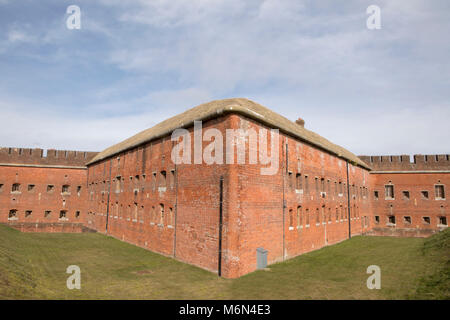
306	185
407	220
77	214
65	188
12	214
426	220
31	187
439	191
290	179
443	221
50	188
391	220
389	191
424	195
1	187
163	179
47	214
405	195
298	179
63	214
161	214
28	213
172	178
375	195
15	187
377	219
291	219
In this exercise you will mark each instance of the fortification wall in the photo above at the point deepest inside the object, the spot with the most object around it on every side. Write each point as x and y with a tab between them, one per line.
50	157
403	162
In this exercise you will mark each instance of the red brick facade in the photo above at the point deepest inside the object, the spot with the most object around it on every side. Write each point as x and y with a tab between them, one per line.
43	193
141	196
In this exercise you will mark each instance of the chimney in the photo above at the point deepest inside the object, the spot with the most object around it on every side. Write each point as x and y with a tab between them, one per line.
300	122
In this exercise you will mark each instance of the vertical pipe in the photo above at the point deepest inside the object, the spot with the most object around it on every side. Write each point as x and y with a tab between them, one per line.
109	193
219	267
175	213
348	204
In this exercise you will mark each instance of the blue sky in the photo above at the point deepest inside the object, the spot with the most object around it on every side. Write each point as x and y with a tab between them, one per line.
135	63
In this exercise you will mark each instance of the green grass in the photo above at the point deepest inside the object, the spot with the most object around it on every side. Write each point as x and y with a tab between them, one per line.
33	265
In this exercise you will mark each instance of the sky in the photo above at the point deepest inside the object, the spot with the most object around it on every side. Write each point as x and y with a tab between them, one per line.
133	64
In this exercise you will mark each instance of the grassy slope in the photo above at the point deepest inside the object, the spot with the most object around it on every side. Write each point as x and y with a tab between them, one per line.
32	266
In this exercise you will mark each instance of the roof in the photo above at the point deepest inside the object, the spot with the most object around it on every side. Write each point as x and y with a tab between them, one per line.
217	108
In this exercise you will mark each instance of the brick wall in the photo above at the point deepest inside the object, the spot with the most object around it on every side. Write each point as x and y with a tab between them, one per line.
33	186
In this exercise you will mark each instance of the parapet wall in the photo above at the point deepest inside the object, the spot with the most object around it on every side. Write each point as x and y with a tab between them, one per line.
403	162
42	157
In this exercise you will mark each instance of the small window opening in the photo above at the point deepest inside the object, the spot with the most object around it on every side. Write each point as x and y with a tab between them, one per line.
28	213
405	195
391	219
426	220
407	220
424	194
443	221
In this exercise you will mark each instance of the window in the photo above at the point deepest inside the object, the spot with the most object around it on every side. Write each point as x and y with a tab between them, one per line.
340	187
118	184
375	195
50	188
290	177
439	191
65	188
47	214
317	216
172	178
12	214
78	189
306	185
407	220
1	187
299	216
443	221
377	219
31	187
291	219
298	181
15	187
424	195
63	214
307	217
161	214
405	195
316	184
389	191
163	178
391	220
77	214
154	180
170	216
426	220
28	213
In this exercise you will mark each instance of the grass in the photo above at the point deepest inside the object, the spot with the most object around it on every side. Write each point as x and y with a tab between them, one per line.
33	265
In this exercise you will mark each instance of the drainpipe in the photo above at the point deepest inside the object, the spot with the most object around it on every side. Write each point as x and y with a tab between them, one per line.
348	204
284	200
175	213
109	193
219	267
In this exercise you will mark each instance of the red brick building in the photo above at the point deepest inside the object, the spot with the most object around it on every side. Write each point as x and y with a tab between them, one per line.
216	214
